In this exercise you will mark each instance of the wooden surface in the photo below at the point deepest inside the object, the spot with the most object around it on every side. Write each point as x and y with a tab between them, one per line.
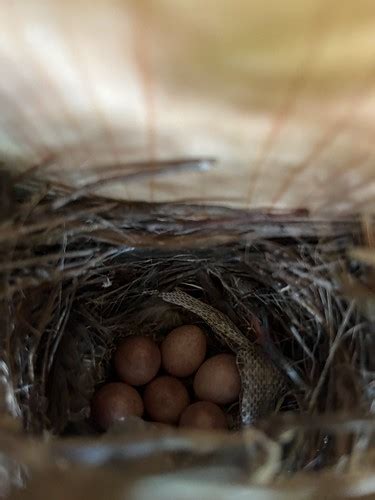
281	94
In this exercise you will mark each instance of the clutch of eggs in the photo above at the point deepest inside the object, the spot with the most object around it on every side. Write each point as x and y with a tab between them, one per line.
149	382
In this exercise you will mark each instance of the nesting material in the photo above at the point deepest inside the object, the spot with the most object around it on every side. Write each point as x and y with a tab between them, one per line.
279	292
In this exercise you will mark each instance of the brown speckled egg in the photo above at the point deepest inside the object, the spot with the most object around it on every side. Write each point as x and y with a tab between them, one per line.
183	350
137	360
165	398
114	402
203	415
218	380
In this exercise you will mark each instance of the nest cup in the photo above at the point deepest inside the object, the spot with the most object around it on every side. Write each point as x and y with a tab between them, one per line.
86	271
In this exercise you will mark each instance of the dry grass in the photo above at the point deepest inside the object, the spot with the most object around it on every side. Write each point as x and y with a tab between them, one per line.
76	275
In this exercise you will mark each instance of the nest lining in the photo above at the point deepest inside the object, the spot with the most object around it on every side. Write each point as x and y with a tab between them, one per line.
77	275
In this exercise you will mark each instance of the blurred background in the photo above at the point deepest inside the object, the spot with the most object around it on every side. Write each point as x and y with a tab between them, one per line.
279	93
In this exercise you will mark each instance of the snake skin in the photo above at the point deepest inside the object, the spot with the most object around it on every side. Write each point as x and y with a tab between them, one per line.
262	382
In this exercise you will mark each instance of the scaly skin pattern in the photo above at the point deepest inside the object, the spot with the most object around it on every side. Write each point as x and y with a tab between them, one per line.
262	382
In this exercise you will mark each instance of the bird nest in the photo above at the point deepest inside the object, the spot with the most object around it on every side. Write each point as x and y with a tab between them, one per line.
79	272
